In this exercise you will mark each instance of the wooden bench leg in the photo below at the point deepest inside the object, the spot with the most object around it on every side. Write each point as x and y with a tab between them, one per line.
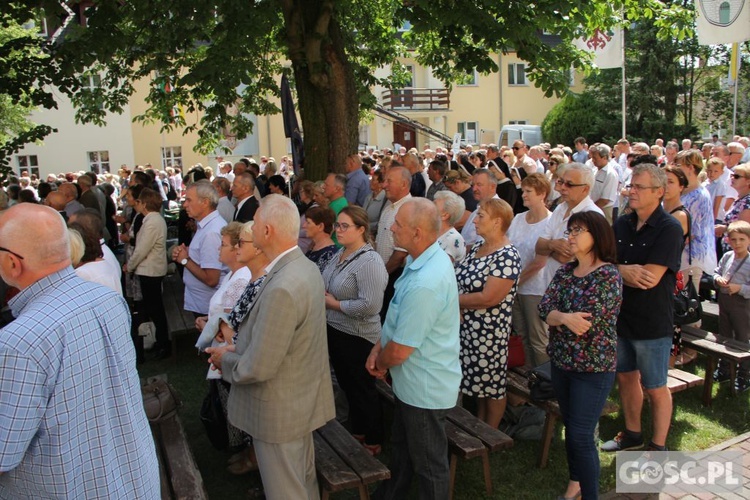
324	494
708	382
454	461
487	474
547	433
364	494
732	378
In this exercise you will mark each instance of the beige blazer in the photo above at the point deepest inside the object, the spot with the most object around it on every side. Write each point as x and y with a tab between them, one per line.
150	255
280	376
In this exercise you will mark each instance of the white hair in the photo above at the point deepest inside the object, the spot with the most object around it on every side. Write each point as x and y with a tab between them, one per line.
453	205
586	172
280	212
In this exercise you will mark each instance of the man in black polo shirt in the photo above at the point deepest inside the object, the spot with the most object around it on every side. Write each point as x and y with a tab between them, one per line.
649	245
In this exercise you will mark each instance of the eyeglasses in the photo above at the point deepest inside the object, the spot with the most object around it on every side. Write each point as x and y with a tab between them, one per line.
3	249
575	231
735	153
553	163
638	187
341	226
736	176
239	243
568	184
516	148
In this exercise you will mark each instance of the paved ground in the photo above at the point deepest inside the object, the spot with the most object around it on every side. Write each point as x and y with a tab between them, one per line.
741	443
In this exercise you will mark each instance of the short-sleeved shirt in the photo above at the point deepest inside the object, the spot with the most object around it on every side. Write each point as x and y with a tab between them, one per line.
523	236
453	244
204	251
605	184
384	239
72	423
424	315
357	187
648	314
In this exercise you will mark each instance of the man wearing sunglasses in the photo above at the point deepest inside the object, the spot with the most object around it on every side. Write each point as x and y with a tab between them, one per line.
523	160
574	185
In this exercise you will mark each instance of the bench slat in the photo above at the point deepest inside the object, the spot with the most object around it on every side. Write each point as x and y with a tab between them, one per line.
166	492
689	378
367	467
179	321
715	345
333	473
492	438
187	482
461	443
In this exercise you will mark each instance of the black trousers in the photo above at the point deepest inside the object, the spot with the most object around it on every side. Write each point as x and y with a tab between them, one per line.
152	307
348	355
390	290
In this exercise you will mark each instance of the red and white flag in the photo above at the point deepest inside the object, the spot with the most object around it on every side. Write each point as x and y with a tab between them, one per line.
606	47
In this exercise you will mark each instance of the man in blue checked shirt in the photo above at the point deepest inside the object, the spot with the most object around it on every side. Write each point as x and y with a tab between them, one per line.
72	423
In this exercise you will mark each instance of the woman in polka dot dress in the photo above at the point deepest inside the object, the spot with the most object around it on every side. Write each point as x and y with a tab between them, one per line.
487	281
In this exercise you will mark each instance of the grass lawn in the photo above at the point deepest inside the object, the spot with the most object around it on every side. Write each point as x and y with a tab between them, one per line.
514	471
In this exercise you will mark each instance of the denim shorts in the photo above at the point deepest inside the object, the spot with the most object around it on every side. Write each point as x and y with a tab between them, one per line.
650	357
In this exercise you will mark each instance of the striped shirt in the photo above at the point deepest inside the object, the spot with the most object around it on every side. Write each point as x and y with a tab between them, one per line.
358	283
72	423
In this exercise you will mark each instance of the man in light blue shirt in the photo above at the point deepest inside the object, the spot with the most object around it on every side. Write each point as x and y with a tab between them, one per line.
419	344
72	423
357	183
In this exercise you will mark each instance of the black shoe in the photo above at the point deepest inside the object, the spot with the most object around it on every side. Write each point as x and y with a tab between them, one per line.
622	442
720	375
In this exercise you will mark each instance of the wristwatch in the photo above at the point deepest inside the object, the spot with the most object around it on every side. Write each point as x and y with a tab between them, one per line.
184	261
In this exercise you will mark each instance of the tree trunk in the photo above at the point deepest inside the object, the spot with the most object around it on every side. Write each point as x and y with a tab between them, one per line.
327	94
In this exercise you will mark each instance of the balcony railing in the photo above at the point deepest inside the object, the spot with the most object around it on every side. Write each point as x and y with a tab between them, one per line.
417	99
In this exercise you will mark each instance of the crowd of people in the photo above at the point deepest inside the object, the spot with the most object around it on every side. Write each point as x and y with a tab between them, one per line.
415	267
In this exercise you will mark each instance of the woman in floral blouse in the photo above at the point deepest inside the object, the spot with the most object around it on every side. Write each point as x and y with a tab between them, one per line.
581	307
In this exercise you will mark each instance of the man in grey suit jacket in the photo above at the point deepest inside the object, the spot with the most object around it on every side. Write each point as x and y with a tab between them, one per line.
281	382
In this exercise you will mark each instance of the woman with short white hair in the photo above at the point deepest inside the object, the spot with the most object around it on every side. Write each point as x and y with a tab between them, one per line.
451	208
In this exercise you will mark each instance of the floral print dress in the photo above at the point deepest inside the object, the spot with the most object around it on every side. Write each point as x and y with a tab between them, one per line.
598	293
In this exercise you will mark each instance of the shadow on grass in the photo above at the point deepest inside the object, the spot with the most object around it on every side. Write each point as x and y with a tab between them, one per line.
514	471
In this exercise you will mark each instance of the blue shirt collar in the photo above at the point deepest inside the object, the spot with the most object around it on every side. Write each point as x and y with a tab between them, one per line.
414	264
18	303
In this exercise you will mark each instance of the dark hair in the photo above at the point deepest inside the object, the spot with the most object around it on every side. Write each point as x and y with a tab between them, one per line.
92	248
44	189
150	199
142	178
13	190
358	215
135	190
278	181
439	166
378	174
650	159
322	215
677	172
26	196
605	248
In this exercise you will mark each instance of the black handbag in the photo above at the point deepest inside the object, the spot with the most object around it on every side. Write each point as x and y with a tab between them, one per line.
540	383
213	418
687	302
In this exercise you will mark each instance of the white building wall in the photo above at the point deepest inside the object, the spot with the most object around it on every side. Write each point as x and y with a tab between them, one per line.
67	149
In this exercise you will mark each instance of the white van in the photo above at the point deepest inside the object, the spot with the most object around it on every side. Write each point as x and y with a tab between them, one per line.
530	134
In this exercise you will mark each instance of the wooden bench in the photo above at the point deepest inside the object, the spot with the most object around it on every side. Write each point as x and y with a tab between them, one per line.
518	384
178	472
715	347
180	322
343	463
468	437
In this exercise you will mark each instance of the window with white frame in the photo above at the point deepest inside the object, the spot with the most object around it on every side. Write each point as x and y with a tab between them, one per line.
470	80
98	161
28	163
91	83
517	74
171	156
364	135
468	131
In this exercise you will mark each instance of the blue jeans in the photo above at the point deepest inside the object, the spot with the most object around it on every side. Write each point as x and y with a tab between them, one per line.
650	357
581	397
420	447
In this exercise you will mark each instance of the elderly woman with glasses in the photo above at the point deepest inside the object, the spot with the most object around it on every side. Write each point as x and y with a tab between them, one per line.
355	280
581	306
740	209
